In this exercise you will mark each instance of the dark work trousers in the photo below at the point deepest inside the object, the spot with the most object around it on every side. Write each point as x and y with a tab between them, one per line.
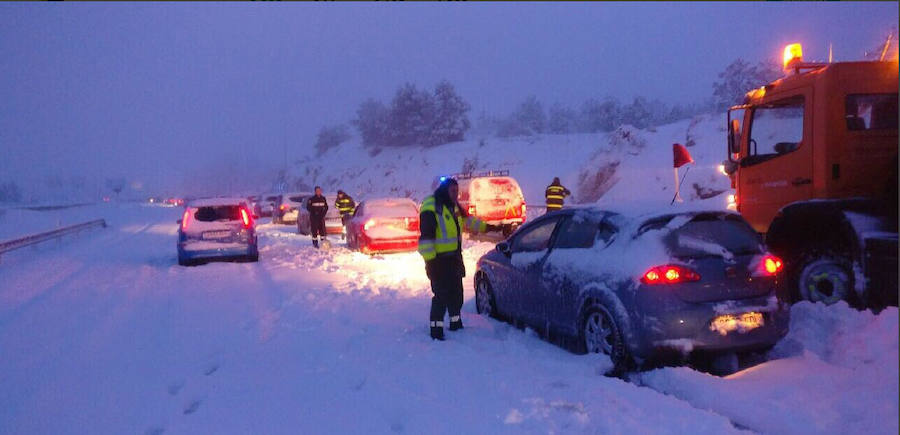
345	219
317	228
446	276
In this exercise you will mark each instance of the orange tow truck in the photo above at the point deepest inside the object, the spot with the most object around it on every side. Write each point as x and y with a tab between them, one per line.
813	161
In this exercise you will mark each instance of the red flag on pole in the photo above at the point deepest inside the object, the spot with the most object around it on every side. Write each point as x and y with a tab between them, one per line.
681	155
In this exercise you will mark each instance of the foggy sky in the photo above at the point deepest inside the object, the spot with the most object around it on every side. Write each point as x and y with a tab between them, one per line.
155	92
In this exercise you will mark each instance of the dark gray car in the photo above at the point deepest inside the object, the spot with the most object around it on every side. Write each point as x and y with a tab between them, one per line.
636	288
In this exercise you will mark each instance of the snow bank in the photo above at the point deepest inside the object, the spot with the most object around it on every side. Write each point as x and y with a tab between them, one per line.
836	373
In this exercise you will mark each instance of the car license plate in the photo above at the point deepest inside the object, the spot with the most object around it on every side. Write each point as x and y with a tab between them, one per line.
217	234
736	322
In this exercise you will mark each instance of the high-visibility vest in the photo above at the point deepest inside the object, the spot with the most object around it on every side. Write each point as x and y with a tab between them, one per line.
345	205
555	196
446	235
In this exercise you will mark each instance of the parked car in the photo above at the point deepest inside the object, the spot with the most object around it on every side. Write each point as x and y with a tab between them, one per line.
384	225
637	288
174	202
266	204
217	228
333	224
494	197
252	200
288	207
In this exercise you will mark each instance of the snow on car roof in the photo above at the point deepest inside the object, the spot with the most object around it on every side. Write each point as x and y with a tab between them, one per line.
211	202
648	210
389	202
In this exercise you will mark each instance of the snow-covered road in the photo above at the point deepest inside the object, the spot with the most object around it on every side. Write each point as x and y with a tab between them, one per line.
104	333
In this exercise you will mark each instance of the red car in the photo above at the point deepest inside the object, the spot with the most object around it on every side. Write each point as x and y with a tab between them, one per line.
384	225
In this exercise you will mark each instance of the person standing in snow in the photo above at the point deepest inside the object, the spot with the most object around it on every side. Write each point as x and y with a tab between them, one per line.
440	244
317	206
555	195
345	205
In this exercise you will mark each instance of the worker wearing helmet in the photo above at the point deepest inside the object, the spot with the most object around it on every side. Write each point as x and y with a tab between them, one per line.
555	195
345	205
440	244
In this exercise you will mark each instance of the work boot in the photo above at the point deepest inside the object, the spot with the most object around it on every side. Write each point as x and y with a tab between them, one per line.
437	331
455	323
316	243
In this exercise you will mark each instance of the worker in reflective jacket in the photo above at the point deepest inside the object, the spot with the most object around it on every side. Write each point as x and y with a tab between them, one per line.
317	206
555	194
345	205
440	244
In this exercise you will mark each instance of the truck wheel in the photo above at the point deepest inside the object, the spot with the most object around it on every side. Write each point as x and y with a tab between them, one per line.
825	278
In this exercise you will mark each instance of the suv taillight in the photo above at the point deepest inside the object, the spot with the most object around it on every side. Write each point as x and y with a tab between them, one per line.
471	210
184	219
669	274
245	218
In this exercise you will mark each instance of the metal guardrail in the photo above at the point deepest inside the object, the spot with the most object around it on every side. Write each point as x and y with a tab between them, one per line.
32	239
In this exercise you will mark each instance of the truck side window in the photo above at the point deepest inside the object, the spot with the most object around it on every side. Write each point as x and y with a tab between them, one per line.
775	129
871	112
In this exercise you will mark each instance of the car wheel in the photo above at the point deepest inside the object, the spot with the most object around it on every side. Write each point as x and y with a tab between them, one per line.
253	258
599	333
825	278
484	298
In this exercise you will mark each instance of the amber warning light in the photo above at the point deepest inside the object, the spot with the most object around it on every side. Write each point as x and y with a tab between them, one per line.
793	55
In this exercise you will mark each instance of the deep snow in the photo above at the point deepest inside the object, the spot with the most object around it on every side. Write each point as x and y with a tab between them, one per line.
105	333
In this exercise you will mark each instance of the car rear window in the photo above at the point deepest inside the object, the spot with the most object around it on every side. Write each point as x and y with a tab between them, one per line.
708	234
218	213
298	198
495	188
397	209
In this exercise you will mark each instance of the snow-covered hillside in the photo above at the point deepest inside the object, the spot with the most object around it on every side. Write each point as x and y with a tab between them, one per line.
622	165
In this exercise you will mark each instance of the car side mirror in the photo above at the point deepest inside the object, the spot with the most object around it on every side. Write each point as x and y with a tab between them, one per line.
503	248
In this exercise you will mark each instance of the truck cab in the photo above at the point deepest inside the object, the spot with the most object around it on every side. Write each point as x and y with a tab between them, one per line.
813	159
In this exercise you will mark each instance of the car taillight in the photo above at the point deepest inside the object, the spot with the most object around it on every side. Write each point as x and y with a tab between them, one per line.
282	207
471	210
245	218
771	264
523	209
669	274
184	219
369	224
412	224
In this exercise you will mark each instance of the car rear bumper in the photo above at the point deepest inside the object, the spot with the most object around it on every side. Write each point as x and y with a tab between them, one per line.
687	327
188	252
334	228
516	221
390	245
